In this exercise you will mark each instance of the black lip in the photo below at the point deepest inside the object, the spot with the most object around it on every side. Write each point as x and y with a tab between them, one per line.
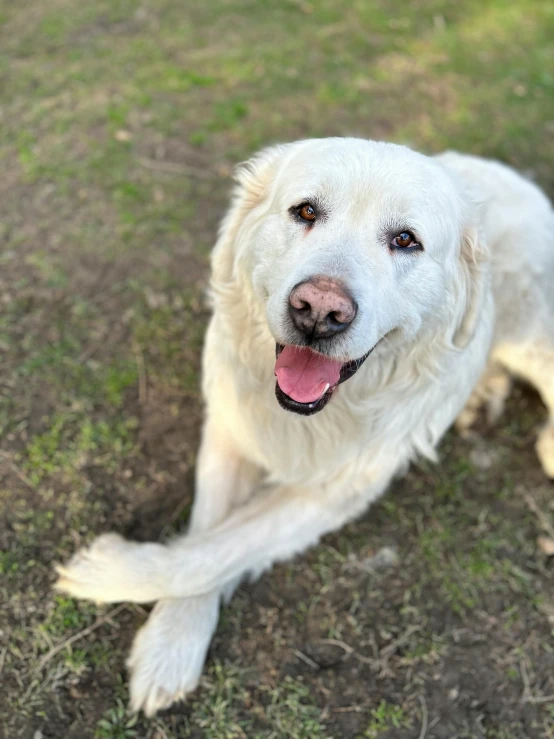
348	369
303	409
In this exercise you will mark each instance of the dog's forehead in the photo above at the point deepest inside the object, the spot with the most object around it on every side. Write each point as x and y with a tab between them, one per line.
361	175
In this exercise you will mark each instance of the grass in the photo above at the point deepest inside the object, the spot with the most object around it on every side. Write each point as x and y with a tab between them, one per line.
67	615
121	123
385	717
116	724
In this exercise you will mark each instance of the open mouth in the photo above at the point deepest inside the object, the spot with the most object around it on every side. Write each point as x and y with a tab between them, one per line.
306	380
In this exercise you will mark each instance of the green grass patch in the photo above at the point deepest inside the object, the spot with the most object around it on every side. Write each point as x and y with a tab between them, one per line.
385	717
224	697
68	615
292	713
117	723
73	441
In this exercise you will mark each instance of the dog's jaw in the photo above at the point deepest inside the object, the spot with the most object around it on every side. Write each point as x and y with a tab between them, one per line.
347	370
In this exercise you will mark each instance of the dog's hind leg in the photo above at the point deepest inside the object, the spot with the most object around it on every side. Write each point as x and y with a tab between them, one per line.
491	392
534	362
169	651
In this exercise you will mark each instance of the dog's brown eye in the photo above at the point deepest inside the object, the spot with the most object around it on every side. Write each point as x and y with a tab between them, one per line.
404	240
306	212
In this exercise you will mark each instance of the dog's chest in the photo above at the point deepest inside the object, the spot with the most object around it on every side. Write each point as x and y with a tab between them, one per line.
340	441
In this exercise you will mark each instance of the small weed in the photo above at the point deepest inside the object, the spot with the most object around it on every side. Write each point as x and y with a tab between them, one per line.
68	615
385	717
9	563
291	712
116	724
217	713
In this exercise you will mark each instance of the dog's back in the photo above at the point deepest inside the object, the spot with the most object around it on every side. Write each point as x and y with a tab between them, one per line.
518	225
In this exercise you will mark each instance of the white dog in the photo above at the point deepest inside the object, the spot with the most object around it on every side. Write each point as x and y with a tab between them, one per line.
387	283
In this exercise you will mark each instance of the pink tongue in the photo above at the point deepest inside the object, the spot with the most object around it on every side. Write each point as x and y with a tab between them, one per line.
303	375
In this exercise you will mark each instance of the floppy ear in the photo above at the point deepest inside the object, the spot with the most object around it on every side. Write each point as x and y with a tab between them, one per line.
252	180
473	284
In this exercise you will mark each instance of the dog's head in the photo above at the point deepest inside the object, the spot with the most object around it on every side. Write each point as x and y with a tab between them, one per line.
344	241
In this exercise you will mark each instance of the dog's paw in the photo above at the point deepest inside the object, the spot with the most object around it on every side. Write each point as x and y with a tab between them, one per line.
91	572
113	569
545	449
169	651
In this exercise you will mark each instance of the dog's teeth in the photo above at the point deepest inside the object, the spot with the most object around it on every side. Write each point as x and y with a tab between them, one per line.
323	393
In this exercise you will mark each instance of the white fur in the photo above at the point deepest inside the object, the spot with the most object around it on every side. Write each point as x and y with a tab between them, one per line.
270	483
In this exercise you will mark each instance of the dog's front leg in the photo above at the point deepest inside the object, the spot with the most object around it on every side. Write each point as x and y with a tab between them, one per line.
272	527
169	651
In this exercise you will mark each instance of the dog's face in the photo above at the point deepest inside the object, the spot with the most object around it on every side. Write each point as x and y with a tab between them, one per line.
348	241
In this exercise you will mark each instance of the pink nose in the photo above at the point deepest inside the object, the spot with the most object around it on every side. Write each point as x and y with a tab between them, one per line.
321	307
